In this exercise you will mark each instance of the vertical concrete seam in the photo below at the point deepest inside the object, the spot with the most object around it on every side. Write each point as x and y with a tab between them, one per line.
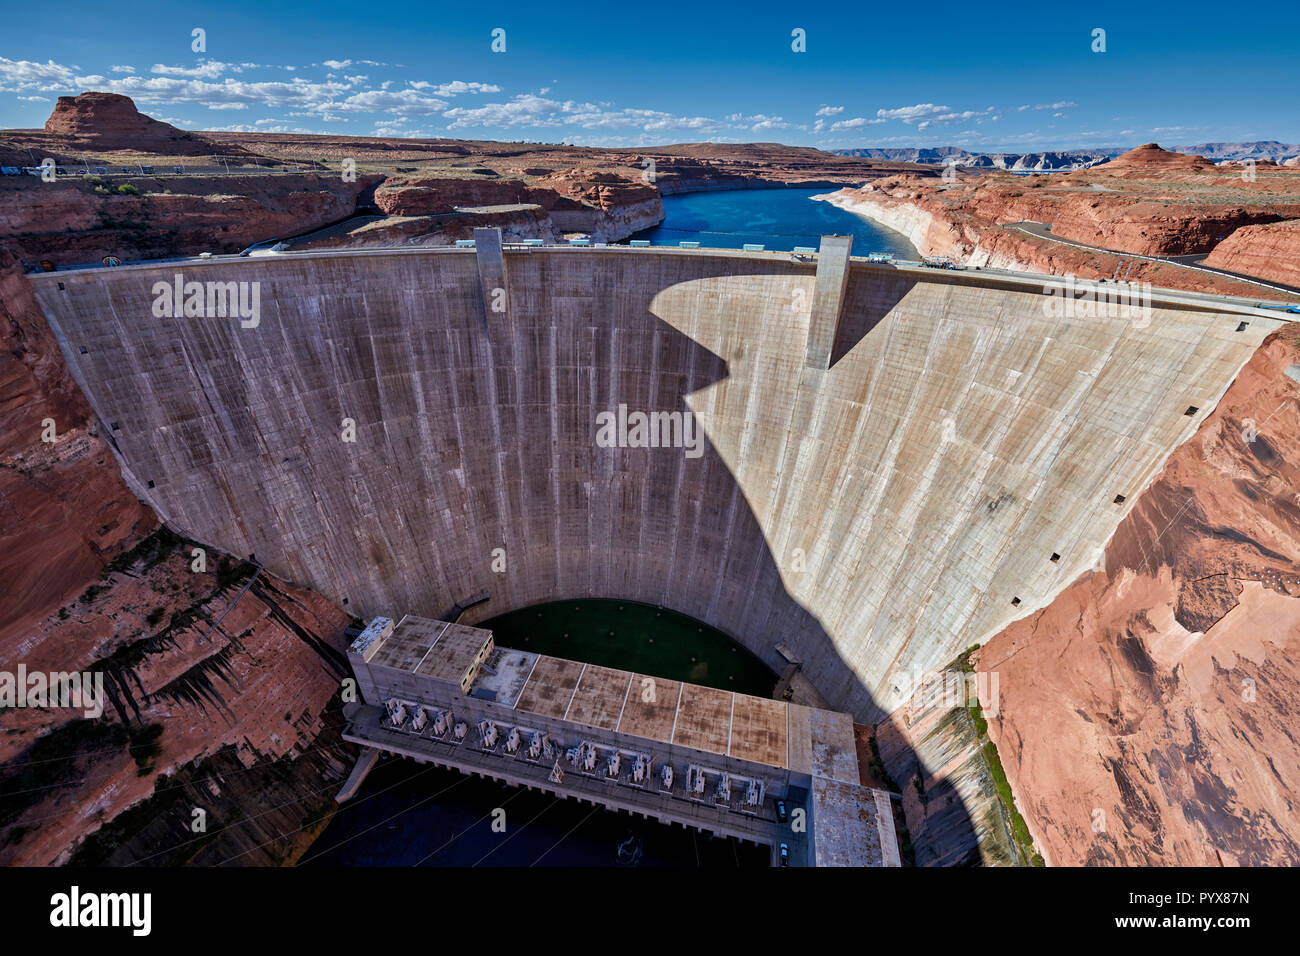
672	734
576	685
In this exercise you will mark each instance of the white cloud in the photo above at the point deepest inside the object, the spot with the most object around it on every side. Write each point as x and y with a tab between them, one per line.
28	75
343	64
121	69
910	114
539	111
856	123
207	70
297	93
523	110
243	128
219	86
758	122
199	86
396	132
1063	104
925	115
453	88
408	102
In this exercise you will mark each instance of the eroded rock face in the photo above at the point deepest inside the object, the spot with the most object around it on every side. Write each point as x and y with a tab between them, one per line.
110	121
1142	160
70	223
1270	252
604	205
90	582
1148	715
601	190
433	196
193	664
1148	202
64	511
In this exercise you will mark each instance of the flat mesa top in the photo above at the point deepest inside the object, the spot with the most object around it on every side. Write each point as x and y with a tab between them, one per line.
656	708
431	648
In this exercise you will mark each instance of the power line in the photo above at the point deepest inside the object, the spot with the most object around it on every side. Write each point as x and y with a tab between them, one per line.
517	832
157	790
594	810
457	836
241	820
355	835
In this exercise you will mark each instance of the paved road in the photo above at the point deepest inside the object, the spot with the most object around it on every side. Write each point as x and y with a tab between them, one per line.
1040	231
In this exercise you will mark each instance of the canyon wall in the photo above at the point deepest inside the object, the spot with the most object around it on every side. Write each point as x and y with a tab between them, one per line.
1147	716
964	457
931	234
606	206
1092	222
70	223
1270	252
219	695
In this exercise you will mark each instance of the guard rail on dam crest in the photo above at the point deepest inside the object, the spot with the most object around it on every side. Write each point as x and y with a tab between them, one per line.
898	461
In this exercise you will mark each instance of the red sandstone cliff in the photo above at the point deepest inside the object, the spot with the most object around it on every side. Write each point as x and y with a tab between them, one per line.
1147	202
1270	252
64	511
1147	716
89	581
79	222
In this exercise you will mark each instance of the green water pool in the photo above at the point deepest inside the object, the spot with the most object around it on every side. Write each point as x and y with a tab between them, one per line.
635	637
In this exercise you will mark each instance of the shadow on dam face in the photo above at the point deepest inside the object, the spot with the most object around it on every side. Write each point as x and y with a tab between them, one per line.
876	517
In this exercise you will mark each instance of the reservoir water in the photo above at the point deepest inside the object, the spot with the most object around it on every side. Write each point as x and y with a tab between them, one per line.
779	219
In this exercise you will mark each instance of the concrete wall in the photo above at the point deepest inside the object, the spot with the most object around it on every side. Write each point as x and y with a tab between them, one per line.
877	516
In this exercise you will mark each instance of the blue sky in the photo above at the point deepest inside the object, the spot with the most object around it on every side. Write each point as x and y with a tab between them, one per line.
632	74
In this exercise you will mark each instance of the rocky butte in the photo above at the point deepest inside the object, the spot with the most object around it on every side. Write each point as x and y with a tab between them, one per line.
110	122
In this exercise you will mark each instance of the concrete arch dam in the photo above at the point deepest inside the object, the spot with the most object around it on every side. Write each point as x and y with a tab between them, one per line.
898	461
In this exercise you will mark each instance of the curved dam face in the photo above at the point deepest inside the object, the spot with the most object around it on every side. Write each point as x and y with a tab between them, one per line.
955	466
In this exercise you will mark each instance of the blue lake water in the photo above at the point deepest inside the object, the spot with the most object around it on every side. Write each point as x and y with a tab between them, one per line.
779	219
